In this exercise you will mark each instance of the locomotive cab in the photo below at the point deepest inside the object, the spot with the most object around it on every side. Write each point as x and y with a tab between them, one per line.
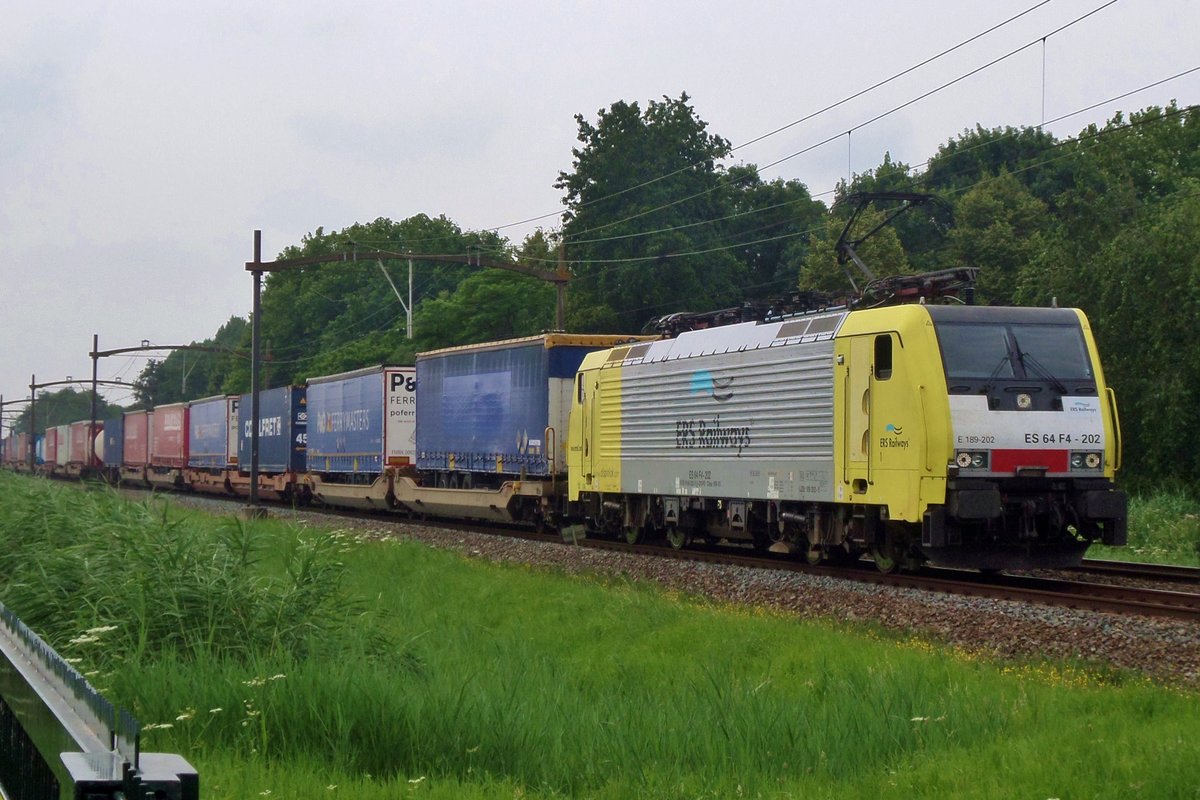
1034	438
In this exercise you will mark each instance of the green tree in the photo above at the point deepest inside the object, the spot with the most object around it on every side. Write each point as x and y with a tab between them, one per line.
644	222
1149	300
330	318
773	223
1116	171
882	253
490	305
184	375
999	227
976	155
62	407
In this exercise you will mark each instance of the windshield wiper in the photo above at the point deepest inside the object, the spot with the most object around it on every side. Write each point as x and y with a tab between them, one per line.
990	383
1027	360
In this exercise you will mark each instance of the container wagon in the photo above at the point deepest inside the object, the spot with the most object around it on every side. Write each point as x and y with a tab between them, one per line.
491	425
212	443
282	444
360	433
168	454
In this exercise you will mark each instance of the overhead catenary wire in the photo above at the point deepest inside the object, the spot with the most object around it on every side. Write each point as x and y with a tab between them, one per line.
805	118
574	239
862	124
910	168
817	195
1108	131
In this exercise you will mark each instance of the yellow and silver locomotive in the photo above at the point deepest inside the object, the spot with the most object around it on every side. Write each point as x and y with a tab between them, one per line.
967	435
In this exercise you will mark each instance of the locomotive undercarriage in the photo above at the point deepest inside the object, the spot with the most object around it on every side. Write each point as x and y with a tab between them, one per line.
836	533
988	525
1023	523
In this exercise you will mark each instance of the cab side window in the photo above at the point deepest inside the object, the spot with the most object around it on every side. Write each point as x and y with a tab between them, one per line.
883	357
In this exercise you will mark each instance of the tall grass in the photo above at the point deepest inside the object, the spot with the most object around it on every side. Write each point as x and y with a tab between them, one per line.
81	565
405	671
1163	528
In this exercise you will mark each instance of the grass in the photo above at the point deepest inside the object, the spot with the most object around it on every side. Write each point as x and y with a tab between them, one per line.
423	673
1163	529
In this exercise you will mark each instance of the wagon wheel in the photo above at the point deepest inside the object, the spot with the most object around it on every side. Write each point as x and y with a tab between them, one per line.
677	537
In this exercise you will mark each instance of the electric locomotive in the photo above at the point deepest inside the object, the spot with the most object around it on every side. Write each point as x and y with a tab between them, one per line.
972	436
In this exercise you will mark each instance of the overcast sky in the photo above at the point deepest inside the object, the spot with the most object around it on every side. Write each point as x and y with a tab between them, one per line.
141	143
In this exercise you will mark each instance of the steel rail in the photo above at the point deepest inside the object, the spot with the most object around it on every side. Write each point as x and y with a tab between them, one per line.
1134	569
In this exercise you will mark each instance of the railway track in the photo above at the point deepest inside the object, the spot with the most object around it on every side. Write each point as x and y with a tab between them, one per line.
1081	595
1133	569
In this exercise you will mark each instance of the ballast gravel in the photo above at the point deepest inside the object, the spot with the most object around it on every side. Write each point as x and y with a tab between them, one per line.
1167	650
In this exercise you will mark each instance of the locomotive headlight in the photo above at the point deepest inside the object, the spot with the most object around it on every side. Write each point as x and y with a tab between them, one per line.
1087	460
1092	460
1076	460
969	460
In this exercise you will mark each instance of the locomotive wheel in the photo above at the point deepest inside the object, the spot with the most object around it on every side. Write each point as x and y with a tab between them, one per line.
634	534
813	555
885	559
677	537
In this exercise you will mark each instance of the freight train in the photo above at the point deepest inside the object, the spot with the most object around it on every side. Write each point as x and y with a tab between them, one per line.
981	437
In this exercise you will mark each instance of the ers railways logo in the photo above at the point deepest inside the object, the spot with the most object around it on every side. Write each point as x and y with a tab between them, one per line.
719	389
892	438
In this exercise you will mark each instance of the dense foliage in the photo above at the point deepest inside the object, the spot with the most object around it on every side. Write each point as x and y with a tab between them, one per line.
656	223
62	407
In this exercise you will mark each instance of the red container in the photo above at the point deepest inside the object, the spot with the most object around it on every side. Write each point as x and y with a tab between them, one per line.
13	452
136	442
50	447
83	435
169	444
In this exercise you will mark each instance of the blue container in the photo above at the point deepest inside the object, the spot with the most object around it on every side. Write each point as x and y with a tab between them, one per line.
114	441
282	430
500	407
212	432
347	430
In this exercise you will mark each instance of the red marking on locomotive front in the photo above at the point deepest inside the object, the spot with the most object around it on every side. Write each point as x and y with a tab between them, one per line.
1011	460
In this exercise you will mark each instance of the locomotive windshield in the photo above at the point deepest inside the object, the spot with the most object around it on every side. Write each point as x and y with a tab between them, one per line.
991	351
